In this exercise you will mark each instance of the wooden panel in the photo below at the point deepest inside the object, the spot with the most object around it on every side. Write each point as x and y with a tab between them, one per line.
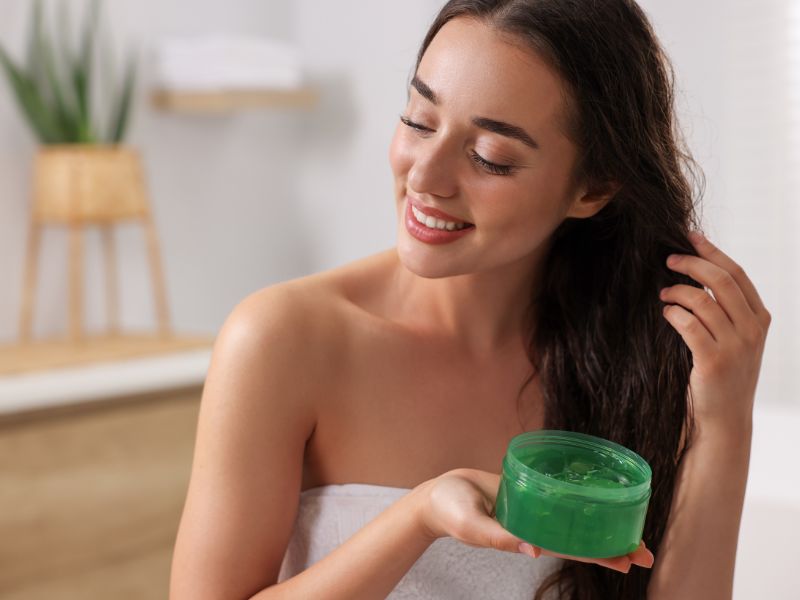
232	100
57	353
90	500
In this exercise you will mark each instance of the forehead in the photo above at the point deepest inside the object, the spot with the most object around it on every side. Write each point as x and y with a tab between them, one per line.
475	69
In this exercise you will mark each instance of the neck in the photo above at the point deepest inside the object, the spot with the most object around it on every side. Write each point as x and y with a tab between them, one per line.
482	312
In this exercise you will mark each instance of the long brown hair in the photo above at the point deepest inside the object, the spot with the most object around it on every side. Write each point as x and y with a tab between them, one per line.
608	362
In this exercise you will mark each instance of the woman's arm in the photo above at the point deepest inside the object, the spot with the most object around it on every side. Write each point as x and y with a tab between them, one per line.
256	414
726	330
698	552
369	564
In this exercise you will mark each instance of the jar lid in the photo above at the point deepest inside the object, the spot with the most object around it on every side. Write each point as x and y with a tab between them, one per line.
576	454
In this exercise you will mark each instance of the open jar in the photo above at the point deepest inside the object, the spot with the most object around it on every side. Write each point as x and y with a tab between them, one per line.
573	493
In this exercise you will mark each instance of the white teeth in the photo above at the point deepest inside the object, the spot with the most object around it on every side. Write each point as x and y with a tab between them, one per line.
435	223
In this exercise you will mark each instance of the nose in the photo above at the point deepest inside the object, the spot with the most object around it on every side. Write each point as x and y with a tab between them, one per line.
434	170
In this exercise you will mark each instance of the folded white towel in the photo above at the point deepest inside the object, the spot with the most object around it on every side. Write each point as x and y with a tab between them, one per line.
226	62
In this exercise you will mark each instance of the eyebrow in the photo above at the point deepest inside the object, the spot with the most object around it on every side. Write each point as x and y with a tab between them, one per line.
499	127
424	90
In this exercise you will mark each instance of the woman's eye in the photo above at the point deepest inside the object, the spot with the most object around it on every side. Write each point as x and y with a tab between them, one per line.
412	124
490	166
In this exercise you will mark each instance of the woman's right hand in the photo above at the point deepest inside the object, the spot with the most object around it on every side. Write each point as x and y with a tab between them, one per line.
460	503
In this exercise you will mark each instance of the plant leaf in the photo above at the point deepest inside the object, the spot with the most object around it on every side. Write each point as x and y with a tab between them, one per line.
34	58
30	100
121	115
82	74
52	89
65	115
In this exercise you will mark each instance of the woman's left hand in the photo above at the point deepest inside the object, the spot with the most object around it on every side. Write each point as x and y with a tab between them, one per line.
725	333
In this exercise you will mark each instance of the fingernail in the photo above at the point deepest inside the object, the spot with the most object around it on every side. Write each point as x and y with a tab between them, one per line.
526	548
673	259
695	237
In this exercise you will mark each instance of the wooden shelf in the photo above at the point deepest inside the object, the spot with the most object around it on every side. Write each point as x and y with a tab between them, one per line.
229	101
58	353
54	374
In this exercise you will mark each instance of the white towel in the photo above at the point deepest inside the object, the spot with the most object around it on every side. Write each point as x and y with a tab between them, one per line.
448	569
222	62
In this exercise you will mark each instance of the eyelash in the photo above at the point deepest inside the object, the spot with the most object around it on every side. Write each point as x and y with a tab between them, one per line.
476	158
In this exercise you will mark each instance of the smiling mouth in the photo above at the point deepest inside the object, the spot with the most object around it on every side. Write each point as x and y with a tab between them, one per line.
437	223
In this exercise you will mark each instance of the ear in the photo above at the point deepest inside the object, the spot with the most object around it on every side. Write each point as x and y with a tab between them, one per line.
588	203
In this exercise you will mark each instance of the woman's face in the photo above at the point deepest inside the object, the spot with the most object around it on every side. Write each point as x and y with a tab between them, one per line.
482	140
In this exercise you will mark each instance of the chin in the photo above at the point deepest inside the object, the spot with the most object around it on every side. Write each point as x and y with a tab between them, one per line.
429	263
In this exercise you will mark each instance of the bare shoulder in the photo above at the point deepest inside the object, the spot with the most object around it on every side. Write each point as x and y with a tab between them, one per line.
296	316
314	312
305	330
281	350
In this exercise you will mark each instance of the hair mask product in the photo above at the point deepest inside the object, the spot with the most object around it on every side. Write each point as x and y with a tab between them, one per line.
573	493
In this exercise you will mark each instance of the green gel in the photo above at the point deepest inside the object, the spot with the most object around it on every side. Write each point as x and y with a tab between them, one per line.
573	494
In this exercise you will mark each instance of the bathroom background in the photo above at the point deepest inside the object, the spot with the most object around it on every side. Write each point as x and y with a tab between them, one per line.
94	454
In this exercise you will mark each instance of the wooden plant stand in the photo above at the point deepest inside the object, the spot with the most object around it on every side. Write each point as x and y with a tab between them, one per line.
77	186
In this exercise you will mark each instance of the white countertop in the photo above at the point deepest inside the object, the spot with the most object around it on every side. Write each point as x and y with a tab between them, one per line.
58	387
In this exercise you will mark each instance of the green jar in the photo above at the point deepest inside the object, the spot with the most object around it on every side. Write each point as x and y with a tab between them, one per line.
573	493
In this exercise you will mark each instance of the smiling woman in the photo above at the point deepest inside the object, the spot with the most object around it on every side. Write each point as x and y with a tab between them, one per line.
466	142
354	422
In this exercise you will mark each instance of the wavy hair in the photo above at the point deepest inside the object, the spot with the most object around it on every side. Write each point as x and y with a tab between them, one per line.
609	363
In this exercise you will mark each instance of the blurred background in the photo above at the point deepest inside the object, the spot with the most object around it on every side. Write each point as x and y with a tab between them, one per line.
271	170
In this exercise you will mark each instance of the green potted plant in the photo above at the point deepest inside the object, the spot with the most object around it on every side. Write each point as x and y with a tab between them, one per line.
83	173
82	170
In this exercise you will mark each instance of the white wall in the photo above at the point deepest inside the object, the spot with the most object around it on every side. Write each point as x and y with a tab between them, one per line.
245	200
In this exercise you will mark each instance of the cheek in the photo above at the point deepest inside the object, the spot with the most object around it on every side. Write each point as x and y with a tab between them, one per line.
529	206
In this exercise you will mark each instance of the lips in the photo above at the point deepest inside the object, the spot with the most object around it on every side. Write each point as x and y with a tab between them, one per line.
435	212
433	236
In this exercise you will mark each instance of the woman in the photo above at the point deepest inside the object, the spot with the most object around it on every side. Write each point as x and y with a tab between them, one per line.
545	275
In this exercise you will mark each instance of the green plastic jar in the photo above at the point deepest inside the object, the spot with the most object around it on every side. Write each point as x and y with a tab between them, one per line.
573	493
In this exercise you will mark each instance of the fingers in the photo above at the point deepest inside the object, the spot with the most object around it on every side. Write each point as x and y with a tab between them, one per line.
703	306
726	290
713	254
617	563
642	556
691	329
710	253
532	551
485	532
